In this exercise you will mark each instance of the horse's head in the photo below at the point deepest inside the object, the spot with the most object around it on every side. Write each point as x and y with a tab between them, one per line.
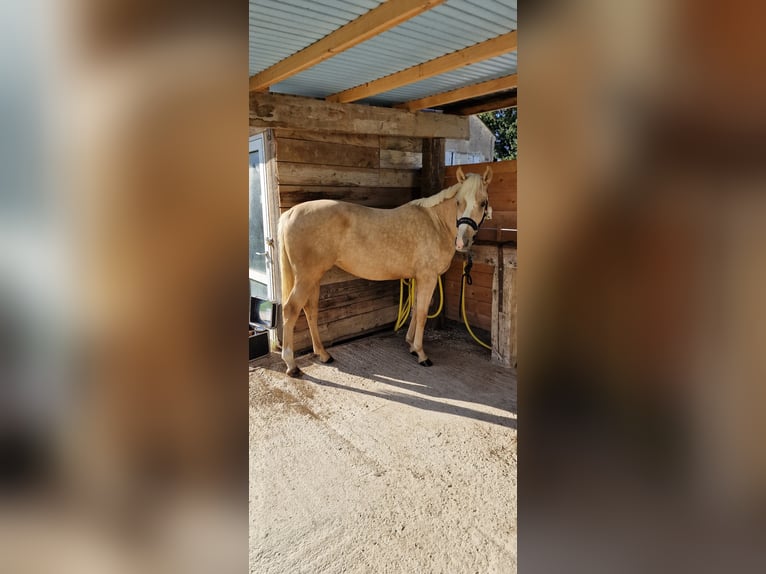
472	206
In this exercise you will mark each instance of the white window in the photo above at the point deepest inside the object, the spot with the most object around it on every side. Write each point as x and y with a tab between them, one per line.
260	235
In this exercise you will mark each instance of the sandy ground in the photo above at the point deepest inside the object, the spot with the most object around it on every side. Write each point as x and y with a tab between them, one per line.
376	464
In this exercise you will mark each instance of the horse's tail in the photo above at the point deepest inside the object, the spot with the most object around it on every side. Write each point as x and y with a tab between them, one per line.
285	267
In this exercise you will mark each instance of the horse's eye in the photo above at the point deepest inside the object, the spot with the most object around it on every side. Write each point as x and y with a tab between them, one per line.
484	204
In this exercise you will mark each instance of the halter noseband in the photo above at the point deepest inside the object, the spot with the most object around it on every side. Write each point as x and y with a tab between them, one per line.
470	222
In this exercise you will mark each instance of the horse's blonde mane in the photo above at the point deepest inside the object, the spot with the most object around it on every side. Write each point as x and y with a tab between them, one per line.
444	194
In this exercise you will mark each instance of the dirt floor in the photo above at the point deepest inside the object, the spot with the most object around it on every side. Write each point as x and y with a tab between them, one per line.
376	464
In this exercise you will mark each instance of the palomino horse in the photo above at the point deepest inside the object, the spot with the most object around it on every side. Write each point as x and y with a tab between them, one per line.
416	240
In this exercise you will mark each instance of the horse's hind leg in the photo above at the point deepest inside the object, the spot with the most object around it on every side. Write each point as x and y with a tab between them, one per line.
312	311
291	311
424	292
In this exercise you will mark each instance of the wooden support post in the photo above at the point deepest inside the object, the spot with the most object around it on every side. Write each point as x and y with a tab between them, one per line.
431	182
432	174
504	309
497	284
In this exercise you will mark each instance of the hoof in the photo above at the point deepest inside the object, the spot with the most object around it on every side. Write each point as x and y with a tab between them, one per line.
295	373
426	363
413	353
328	361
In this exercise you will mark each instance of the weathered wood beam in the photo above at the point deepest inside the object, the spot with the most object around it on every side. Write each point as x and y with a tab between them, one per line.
476	90
432	182
465	57
480	106
384	17
298	113
432	173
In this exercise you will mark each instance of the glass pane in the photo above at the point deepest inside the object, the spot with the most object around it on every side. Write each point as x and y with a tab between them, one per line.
257	239
258	289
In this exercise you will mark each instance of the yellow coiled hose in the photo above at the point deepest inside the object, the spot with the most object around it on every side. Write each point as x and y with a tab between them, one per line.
405	306
462	309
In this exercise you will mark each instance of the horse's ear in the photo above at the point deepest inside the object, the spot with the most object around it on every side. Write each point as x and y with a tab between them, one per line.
460	175
487	177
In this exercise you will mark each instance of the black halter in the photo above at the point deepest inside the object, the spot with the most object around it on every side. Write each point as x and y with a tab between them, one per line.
470	222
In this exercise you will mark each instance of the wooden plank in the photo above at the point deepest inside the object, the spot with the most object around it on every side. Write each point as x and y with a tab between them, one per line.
505	348
312	152
349	327
384	197
486	254
400	159
482	282
308	174
492	229
506	219
503	198
365	140
336	275
475	90
334	314
478	296
496	318
349	292
294	112
372	23
506	167
510	303
475	293
401	143
499	102
482	51
350	307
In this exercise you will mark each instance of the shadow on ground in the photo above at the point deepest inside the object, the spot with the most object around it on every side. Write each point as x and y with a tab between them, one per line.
380	366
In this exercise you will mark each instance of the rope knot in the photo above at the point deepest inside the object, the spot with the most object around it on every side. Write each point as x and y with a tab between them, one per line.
467	270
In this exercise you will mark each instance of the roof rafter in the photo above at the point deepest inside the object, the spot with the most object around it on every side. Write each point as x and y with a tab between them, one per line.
389	14
490	103
482	89
482	51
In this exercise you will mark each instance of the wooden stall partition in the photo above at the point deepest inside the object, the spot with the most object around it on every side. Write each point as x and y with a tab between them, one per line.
372	170
502	198
478	296
490	300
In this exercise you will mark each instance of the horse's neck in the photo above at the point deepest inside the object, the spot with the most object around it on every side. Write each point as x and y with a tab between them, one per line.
446	213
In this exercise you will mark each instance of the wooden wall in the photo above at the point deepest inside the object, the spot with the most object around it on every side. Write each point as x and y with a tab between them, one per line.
502	198
378	171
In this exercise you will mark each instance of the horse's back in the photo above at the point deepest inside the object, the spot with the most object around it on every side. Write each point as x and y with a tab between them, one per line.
312	232
368	242
333	217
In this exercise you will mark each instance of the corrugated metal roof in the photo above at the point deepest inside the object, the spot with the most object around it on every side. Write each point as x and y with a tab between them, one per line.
277	30
480	72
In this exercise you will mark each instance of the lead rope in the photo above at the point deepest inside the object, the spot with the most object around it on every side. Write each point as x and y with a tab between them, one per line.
467	265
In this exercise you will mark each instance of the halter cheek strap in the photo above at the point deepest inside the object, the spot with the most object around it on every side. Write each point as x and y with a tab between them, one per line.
470	222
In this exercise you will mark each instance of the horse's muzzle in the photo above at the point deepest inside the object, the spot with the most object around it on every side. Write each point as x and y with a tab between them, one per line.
462	247
463	243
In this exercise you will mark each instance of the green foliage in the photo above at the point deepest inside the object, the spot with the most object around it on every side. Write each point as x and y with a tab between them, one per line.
502	123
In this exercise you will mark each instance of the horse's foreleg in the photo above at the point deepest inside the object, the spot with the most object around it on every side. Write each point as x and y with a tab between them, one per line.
312	311
410	337
290	312
424	292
